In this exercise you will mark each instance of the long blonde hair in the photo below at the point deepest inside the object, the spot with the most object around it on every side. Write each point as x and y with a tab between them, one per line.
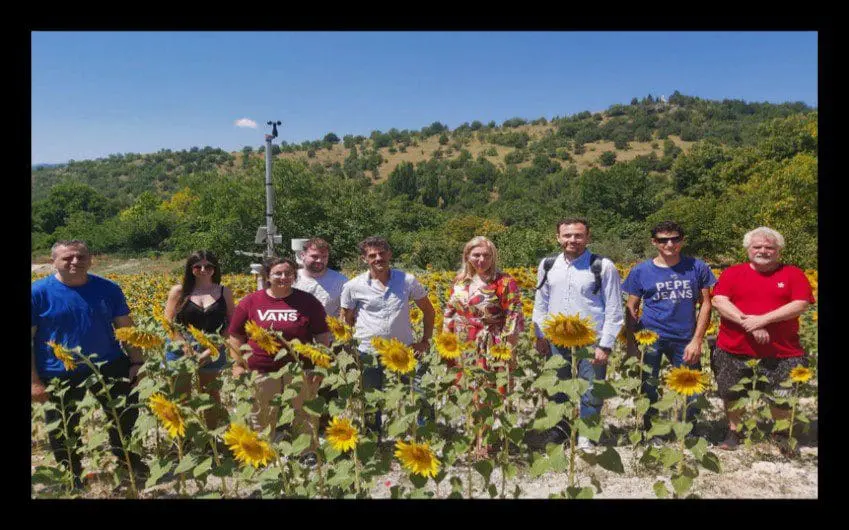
467	270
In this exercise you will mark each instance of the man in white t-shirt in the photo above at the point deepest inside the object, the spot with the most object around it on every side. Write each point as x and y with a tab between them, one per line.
377	304
316	279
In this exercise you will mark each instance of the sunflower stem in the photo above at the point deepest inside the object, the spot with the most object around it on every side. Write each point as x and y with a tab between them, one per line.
181	485
576	409
68	446
413	403
134	493
793	410
356	471
217	459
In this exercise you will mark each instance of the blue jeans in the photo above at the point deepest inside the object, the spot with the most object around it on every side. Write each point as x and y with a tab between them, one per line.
673	349
590	405
172	353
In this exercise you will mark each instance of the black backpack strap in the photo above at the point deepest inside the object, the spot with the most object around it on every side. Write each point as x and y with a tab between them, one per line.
595	267
547	263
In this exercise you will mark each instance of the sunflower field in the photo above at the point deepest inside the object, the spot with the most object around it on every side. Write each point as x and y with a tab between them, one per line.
450	429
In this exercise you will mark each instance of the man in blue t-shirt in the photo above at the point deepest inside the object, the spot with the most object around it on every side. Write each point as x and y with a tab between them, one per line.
75	309
669	286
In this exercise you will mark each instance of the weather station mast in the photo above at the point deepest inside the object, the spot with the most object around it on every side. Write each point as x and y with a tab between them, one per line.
266	234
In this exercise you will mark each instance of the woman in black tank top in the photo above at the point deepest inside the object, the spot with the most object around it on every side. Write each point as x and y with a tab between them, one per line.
202	302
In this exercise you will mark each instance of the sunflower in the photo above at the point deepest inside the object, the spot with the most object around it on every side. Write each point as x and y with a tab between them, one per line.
711	330
447	345
159	316
205	343
247	446
502	351
139	338
417	458
686	381
341	331
415	315
318	357
800	374
527	308
168	413
264	338
814	316
63	354
395	355
569	331
645	337
341	434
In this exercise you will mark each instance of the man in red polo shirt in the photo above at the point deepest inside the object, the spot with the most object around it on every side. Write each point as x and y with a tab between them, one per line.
759	303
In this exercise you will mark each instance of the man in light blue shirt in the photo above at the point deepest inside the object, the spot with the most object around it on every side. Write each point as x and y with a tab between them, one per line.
570	288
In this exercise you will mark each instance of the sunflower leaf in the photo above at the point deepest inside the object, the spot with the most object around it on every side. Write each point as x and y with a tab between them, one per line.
484	467
660	490
300	443
202	468
185	464
553	363
781	425
557	461
611	461
635	436
592	429
603	390
579	493
681	484
315	407
545	381
366	449
681	429
539	466
659	428
697	446
622	412
418	480
711	462
669	457
666	402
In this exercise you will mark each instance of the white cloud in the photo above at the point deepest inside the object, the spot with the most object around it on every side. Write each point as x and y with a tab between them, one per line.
245	122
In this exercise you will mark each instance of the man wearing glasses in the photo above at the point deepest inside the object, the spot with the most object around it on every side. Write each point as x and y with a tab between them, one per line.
669	286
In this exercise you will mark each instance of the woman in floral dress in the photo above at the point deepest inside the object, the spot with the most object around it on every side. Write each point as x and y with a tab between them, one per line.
485	306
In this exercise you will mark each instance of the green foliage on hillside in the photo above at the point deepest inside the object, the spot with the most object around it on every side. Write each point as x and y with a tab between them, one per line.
752	164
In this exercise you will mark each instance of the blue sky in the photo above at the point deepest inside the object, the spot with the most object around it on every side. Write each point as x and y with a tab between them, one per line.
99	93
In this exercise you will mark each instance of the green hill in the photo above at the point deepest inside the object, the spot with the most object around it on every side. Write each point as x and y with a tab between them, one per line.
689	159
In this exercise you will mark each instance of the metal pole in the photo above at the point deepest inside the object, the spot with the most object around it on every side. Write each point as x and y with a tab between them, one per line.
269	199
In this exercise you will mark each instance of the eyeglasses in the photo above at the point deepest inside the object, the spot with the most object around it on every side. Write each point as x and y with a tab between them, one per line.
665	240
207	266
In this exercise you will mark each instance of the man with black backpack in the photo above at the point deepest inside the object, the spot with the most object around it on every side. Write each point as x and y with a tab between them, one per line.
578	282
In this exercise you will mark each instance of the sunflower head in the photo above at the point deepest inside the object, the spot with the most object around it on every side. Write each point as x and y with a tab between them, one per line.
686	381
63	354
447	345
168	413
264	338
341	434
527	308
417	458
395	355
317	356
415	315
645	337
570	331
501	351
139	337
341	331
205	342
801	374
247	447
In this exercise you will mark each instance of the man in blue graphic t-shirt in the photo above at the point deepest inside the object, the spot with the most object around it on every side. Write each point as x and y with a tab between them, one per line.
74	309
669	286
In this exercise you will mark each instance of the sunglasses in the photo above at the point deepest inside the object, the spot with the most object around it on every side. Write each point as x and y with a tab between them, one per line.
208	266
665	240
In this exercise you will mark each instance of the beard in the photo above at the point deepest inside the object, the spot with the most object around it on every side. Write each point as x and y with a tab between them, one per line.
316	267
